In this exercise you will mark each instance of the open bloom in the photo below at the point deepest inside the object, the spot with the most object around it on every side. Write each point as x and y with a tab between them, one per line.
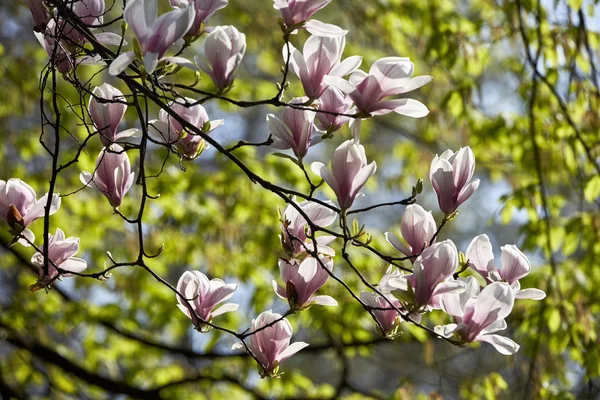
515	266
60	255
113	176
204	10
349	172
271	345
296	14
169	131
154	34
302	280
431	275
478	315
388	76
225	47
91	12
107	115
333	101
19	206
417	227
294	130
295	228
388	319
450	174
321	57
203	295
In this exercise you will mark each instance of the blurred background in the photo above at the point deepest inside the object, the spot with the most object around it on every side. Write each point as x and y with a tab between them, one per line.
533	127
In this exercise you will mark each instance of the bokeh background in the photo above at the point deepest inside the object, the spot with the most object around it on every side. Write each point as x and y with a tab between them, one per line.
540	187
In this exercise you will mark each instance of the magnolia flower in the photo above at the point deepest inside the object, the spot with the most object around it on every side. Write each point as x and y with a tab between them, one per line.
389	320
349	172
39	12
91	12
387	77
155	35
271	346
19	207
204	10
203	296
431	275
321	57
294	130
224	47
515	266
296	14
59	55
169	131
60	257
417	227
334	101
478	315
450	174
294	228
302	280
107	116
113	176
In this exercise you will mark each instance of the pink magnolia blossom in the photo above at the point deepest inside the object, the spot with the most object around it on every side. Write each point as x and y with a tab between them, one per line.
155	34
294	229
91	12
478	315
60	254
349	172
203	295
321	56
19	207
294	130
107	116
450	174
431	277
334	101
296	14
39	12
271	345
388	319
169	131
113	176
302	279
417	227
515	266
58	53
204	11
225	47
387	77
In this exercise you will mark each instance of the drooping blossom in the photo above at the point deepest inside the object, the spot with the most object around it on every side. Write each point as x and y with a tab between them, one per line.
113	176
107	115
295	228
333	101
168	130
155	34
388	76
295	14
294	130
60	256
225	47
204	11
57	52
388	319
271	345
203	295
450	175
301	280
431	277
349	172
321	56
40	13
417	227
19	207
515	266
478	315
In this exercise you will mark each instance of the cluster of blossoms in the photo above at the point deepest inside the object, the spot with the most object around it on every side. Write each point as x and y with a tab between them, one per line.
329	103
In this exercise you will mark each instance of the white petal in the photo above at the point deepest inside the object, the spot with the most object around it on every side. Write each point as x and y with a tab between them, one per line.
120	63
319	28
503	344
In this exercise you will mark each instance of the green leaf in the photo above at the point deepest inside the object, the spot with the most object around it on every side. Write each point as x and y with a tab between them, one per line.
592	189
